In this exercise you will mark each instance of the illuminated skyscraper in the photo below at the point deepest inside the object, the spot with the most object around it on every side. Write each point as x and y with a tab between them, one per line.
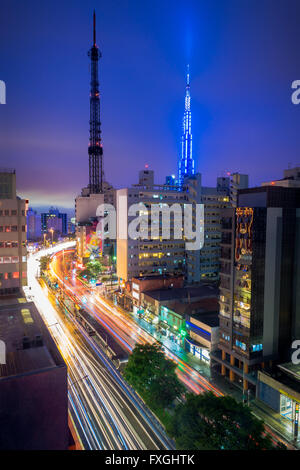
186	166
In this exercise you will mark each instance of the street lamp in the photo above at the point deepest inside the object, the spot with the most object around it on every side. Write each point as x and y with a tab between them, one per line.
44	238
51	230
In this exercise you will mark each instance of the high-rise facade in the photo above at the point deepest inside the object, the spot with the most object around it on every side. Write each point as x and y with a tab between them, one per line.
204	265
54	220
154	256
260	281
13	261
33	225
186	165
237	181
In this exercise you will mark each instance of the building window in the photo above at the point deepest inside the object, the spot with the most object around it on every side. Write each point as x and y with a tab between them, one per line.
240	345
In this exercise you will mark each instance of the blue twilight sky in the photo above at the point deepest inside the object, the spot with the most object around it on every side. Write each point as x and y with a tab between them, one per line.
243	56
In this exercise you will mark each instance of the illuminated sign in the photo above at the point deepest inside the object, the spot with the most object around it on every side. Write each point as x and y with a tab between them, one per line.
243	233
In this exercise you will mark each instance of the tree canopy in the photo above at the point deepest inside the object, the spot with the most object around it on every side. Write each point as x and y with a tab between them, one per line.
152	375
93	270
44	263
207	422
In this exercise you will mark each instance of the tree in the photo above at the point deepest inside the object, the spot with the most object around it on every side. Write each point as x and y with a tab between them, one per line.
207	422
152	375
44	263
92	270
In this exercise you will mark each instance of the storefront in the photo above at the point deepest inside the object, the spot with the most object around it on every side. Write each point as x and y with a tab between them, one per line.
200	352
282	394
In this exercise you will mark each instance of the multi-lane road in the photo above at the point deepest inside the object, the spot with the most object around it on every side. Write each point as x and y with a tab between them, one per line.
121	325
127	332
106	413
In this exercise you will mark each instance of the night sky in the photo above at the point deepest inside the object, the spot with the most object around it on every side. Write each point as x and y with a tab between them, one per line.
243	57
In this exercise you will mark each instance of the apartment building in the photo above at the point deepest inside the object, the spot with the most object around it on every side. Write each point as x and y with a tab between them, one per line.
154	256
203	265
13	262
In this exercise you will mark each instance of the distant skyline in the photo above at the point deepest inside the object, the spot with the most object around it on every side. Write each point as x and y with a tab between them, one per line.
243	57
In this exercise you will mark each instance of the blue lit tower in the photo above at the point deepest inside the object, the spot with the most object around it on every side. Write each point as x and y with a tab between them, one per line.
186	166
95	146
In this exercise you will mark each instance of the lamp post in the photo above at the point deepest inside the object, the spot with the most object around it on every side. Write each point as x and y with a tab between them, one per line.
44	239
51	230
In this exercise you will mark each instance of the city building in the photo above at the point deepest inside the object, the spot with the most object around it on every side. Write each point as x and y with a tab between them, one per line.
260	282
291	179
171	180
143	284
237	181
202	325
279	389
54	221
13	261
33	220
33	382
155	255
71	225
151	302
204	265
186	165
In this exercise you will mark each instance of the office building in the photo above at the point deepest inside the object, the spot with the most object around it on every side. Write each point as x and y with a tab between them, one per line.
237	181
260	282
291	179
34	231
204	265
13	262
55	221
155	255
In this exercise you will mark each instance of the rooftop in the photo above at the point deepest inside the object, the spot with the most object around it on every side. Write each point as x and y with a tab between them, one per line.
195	308
155	277
184	293
29	346
211	319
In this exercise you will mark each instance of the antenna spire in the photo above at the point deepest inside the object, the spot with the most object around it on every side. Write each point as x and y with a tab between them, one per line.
186	166
94	17
95	146
188	74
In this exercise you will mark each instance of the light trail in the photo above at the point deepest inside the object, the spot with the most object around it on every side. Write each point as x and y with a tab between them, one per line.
123	327
106	412
125	330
